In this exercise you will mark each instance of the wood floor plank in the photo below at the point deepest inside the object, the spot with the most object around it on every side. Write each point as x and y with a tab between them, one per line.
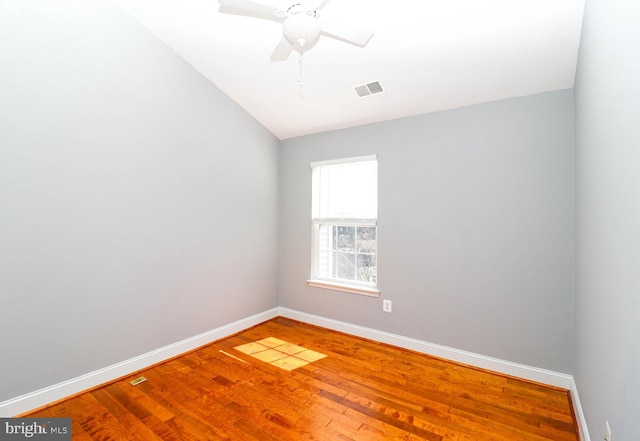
361	391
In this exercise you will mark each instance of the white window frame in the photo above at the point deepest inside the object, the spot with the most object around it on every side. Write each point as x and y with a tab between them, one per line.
351	286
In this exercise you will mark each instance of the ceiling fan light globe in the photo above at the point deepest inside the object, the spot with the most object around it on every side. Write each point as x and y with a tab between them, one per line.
301	31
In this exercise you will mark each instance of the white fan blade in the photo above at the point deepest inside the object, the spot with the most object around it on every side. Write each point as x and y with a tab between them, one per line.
351	34
251	9
321	5
282	51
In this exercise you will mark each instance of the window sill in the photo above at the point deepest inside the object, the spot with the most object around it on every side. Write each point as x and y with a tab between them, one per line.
353	289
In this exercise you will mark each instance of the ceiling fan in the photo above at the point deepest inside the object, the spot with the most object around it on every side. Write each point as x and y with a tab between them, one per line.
301	27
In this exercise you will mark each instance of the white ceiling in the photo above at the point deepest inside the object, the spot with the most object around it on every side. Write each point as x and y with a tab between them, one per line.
429	55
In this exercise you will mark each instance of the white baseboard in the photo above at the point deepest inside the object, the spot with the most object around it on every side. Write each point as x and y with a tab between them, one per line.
42	397
579	414
470	358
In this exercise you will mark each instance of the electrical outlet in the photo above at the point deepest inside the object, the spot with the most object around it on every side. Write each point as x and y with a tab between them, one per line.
386	305
607	432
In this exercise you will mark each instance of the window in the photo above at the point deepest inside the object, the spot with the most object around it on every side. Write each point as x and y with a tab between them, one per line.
344	217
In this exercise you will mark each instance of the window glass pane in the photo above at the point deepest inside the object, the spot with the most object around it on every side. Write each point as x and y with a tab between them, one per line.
346	253
344	238
366	268
324	255
345	265
324	264
366	242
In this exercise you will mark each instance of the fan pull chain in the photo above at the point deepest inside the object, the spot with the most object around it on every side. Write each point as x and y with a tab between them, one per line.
300	82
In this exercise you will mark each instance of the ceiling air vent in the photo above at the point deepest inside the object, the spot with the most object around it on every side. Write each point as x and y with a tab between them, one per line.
368	89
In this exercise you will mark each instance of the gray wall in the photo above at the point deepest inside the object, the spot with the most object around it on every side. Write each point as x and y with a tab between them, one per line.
138	203
607	313
476	228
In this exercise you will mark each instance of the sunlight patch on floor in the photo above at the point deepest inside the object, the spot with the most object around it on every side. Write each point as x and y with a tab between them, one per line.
279	353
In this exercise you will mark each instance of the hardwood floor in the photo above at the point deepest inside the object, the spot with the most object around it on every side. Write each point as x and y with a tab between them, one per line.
361	390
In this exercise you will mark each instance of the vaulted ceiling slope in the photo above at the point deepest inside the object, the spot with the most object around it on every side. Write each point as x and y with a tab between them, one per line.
428	55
